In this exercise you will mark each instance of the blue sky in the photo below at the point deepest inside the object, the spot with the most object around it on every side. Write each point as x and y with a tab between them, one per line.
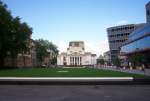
61	21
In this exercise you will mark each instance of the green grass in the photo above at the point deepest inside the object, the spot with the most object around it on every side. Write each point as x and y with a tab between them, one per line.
72	72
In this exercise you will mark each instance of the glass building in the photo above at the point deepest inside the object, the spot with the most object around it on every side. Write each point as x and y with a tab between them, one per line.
138	43
118	35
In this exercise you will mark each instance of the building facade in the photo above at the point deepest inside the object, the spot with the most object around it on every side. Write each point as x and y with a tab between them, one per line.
76	55
148	12
106	56
118	35
27	59
138	44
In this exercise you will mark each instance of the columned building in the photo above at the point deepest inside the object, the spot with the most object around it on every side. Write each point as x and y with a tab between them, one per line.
76	55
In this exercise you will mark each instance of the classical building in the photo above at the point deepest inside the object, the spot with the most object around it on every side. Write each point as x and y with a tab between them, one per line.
76	55
118	35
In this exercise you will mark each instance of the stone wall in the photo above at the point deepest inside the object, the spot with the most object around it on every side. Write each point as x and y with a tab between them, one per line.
21	61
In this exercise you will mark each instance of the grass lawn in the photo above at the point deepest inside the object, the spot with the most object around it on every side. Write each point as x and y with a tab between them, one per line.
64	72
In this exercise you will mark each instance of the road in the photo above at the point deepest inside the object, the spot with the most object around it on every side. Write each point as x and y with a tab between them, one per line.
74	92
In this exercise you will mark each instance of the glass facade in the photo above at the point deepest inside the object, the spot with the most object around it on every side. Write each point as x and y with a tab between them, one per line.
138	45
141	41
140	32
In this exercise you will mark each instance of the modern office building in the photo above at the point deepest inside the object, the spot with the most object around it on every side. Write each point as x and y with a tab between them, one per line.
138	43
148	12
76	55
118	35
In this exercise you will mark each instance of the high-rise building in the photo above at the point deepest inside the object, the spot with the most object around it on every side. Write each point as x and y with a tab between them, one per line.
148	12
118	35
138	44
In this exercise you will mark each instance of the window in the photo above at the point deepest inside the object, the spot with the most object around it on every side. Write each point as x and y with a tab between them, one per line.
76	44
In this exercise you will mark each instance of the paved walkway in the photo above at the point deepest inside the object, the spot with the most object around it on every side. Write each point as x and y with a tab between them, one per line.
134	71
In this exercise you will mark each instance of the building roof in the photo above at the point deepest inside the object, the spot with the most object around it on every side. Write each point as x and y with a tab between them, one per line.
119	26
76	41
122	26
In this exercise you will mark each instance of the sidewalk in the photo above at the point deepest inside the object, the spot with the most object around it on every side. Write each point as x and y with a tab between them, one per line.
134	71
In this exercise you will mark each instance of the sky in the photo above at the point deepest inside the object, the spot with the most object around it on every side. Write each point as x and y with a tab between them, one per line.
61	21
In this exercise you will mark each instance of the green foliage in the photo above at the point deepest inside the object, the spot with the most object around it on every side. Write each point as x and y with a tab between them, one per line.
136	59
41	49
14	35
5	30
100	61
44	48
116	62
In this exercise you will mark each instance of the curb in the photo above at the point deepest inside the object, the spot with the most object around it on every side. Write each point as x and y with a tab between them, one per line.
73	81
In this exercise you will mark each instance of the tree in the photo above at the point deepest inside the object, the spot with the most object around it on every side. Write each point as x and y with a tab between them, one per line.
14	35
21	38
54	53
44	48
116	62
40	50
100	61
5	31
136	59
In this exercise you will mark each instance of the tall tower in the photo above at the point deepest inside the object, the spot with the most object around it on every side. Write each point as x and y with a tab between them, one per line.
118	35
148	12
